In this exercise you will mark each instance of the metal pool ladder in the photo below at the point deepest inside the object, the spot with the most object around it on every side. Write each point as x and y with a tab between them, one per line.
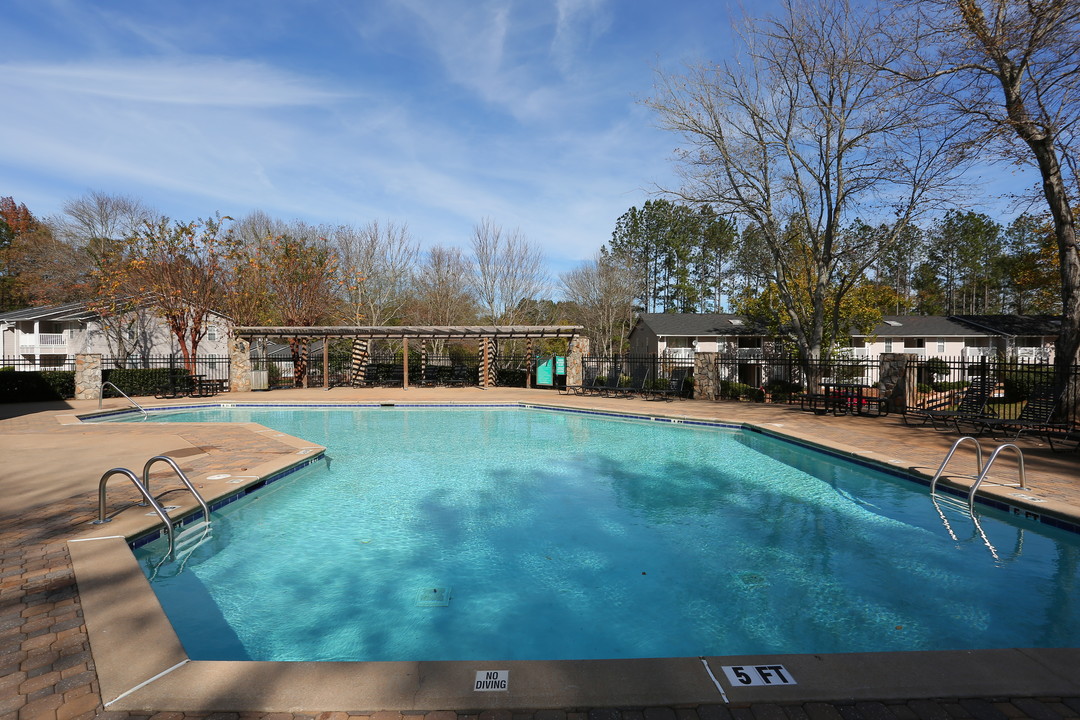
101	395
981	470
144	490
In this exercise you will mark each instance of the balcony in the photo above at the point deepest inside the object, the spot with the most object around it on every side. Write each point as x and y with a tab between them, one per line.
979	352
43	344
681	353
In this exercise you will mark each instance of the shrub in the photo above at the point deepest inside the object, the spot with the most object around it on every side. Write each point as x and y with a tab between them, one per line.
143	381
38	386
1019	383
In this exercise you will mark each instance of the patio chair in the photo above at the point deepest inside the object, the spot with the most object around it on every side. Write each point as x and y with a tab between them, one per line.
639	380
672	387
608	384
1034	416
972	404
588	380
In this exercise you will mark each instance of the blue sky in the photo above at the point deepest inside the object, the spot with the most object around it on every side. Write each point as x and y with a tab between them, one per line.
434	113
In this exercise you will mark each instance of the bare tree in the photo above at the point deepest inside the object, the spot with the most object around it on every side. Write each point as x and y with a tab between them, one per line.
799	137
508	271
602	292
100	226
442	292
375	267
1011	70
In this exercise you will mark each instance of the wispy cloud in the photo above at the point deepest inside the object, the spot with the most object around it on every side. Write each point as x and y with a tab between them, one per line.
187	81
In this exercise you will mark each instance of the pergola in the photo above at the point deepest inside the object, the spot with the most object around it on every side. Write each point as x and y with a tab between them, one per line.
485	334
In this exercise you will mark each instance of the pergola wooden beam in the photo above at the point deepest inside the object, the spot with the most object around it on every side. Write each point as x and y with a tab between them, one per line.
424	332
484	333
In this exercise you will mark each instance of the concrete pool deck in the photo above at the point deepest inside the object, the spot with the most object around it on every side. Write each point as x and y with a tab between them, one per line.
52	666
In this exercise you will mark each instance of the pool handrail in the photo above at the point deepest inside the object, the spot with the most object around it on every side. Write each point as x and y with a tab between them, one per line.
143	491
183	478
101	395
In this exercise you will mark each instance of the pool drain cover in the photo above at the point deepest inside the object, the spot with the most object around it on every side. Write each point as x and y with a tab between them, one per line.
433	597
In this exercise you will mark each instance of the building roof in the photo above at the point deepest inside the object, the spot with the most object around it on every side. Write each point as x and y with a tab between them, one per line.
70	311
698	324
1013	325
922	326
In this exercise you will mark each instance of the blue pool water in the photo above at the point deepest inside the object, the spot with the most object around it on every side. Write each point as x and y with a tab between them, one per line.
437	534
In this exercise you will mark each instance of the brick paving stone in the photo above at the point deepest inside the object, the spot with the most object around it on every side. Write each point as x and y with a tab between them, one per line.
604	714
1073	703
576	716
795	712
550	715
41	709
1061	709
686	714
848	711
659	713
768	711
1035	709
928	710
821	711
627	714
955	710
742	713
982	709
388	715
437	715
874	711
1008	709
713	712
72	708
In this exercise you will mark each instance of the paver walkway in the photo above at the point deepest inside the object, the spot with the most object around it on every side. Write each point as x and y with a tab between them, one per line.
48	475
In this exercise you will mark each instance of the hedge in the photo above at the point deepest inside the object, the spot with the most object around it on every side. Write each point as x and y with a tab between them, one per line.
37	386
145	381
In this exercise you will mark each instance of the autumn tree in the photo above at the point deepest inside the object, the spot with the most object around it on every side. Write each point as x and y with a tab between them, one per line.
179	269
798	136
1011	70
299	272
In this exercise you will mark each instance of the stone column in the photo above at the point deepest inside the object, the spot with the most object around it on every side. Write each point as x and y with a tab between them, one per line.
578	349
88	377
898	381
239	365
706	384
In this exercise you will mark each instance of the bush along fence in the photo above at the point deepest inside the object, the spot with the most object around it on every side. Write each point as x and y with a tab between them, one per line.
22	380
905	381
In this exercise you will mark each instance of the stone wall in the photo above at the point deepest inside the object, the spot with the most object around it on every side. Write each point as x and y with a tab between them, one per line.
88	377
239	365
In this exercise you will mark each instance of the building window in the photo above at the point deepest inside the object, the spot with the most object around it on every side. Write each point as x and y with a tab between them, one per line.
941	345
888	344
211	333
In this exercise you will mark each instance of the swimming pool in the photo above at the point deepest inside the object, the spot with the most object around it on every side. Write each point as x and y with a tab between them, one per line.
545	535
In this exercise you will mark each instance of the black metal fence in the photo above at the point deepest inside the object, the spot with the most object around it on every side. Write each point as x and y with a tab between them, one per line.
652	370
783	379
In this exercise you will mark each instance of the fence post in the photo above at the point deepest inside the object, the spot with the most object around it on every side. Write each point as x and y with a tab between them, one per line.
239	365
88	376
705	384
578	349
897	376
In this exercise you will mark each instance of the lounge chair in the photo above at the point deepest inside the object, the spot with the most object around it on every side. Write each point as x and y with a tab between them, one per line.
972	404
1034	416
609	384
588	381
672	387
639	379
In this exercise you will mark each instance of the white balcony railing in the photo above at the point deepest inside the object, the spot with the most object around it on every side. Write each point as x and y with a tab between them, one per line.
679	353
51	343
749	352
979	351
